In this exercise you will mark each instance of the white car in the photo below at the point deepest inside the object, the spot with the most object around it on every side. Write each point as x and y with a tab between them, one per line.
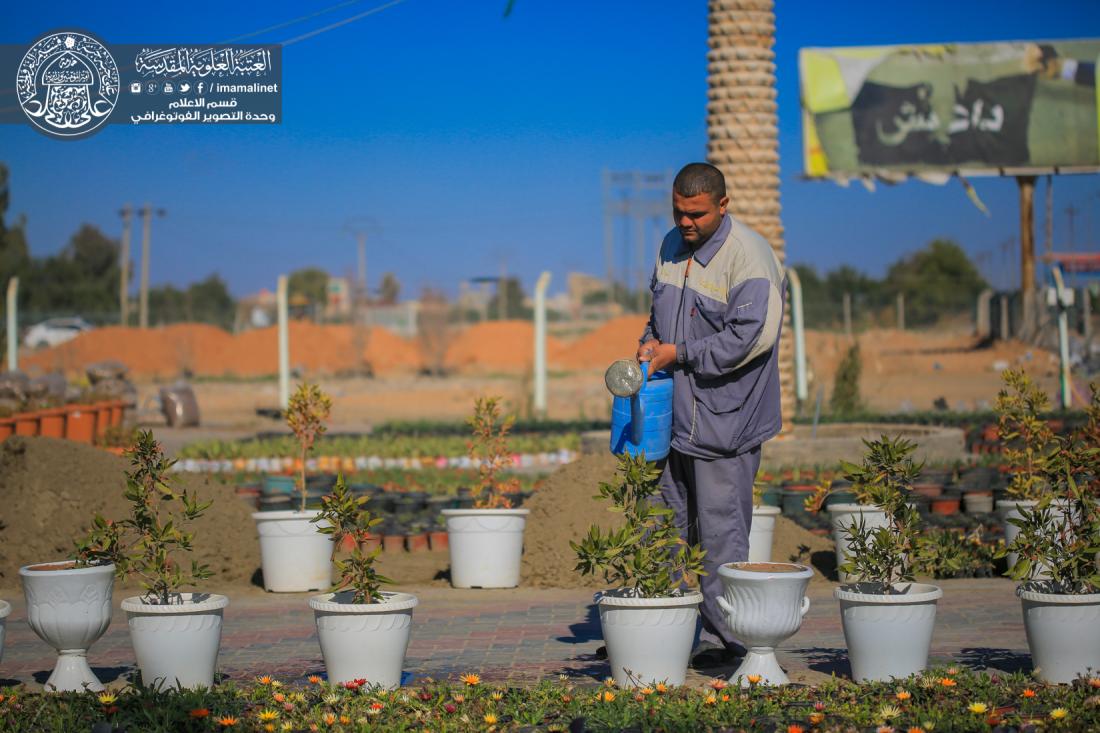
55	331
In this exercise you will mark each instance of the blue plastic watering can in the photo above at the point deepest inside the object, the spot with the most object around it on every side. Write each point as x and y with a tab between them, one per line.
642	421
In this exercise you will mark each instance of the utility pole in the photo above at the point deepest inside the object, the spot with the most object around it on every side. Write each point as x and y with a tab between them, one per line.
502	292
901	311
848	314
124	266
146	235
1027	252
361	237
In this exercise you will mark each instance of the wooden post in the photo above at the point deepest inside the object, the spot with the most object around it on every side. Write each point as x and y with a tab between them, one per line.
1027	252
901	311
848	314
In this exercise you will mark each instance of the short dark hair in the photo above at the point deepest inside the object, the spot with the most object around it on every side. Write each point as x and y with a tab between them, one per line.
696	178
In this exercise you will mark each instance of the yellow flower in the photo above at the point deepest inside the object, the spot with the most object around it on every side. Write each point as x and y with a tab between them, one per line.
646	690
471	679
902	695
268	715
889	712
227	721
107	698
928	725
1058	713
609	682
710	700
459	698
608	696
753	679
490	719
269	728
497	696
287	725
816	718
978	708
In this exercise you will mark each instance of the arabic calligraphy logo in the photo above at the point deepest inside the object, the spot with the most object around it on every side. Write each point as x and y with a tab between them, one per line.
67	84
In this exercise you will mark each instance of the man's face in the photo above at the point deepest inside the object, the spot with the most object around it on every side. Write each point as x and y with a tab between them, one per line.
697	217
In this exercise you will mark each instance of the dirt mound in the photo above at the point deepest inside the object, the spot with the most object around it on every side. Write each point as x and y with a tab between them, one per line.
564	508
503	345
616	339
51	489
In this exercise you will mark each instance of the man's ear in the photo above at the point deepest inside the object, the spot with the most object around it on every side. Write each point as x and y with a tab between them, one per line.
723	204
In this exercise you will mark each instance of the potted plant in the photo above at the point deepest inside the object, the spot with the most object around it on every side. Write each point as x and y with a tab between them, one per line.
762	529
1057	544
887	618
363	630
1027	441
486	542
648	618
294	554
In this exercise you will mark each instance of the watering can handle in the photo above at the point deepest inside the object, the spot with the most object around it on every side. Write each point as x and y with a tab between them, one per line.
637	411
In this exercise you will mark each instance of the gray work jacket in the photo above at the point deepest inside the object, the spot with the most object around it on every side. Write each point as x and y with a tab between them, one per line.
722	305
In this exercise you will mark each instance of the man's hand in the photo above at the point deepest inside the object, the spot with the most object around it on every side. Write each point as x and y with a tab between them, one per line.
663	355
648	349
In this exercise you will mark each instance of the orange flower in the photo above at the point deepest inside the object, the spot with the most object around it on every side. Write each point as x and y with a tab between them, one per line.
725	698
1028	692
567	698
902	695
661	687
718	684
329	718
915	729
345	720
199	713
279	697
269	728
314	679
227	721
1094	683
795	728
948	682
608	696
952	671
816	718
753	678
265	680
471	679
376	706
710	700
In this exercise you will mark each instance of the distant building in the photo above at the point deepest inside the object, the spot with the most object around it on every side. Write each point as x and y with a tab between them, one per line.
337	298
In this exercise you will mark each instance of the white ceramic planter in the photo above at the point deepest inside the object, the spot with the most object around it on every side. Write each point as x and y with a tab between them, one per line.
486	546
888	635
762	532
1010	509
648	639
177	644
69	609
5	609
843	516
364	640
764	604
978	502
1061	633
295	557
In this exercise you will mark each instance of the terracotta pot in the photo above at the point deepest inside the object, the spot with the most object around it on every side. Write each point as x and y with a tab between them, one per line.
118	409
118	450
945	505
393	543
438	541
372	543
7	427
51	422
79	423
929	490
417	542
26	423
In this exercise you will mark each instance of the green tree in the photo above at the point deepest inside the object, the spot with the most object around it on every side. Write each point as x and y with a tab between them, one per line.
846	399
82	279
513	306
937	281
311	282
390	289
209	301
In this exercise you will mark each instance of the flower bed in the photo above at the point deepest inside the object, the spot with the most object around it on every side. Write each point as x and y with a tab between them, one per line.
351	463
941	700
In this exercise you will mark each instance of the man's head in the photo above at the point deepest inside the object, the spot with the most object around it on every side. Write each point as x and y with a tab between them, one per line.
698	202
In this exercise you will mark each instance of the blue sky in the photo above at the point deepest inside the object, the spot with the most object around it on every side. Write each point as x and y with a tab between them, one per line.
468	137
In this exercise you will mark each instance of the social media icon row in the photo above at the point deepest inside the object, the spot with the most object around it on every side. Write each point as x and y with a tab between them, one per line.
155	87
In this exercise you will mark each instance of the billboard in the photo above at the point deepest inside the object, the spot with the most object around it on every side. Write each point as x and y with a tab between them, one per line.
935	109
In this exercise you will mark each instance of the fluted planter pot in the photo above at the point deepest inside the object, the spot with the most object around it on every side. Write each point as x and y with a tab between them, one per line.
842	517
764	603
364	640
5	609
294	555
69	608
51	422
762	532
1061	633
176	644
887	635
648	639
486	546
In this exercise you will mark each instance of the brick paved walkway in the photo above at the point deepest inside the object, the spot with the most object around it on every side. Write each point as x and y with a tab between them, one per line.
523	635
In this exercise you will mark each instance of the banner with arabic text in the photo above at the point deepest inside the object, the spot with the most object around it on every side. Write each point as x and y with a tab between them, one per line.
977	108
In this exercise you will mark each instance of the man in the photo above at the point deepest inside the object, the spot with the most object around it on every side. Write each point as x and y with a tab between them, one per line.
718	292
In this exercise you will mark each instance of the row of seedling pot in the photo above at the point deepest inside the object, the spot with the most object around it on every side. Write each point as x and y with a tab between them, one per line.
84	423
352	464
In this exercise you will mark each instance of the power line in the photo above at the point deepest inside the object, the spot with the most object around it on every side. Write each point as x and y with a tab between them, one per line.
295	21
345	21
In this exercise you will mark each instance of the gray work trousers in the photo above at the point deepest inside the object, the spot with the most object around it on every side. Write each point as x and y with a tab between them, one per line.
712	501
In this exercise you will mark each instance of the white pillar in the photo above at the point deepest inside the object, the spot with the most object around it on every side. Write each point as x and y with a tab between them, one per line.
13	325
284	344
1065	300
801	389
540	343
